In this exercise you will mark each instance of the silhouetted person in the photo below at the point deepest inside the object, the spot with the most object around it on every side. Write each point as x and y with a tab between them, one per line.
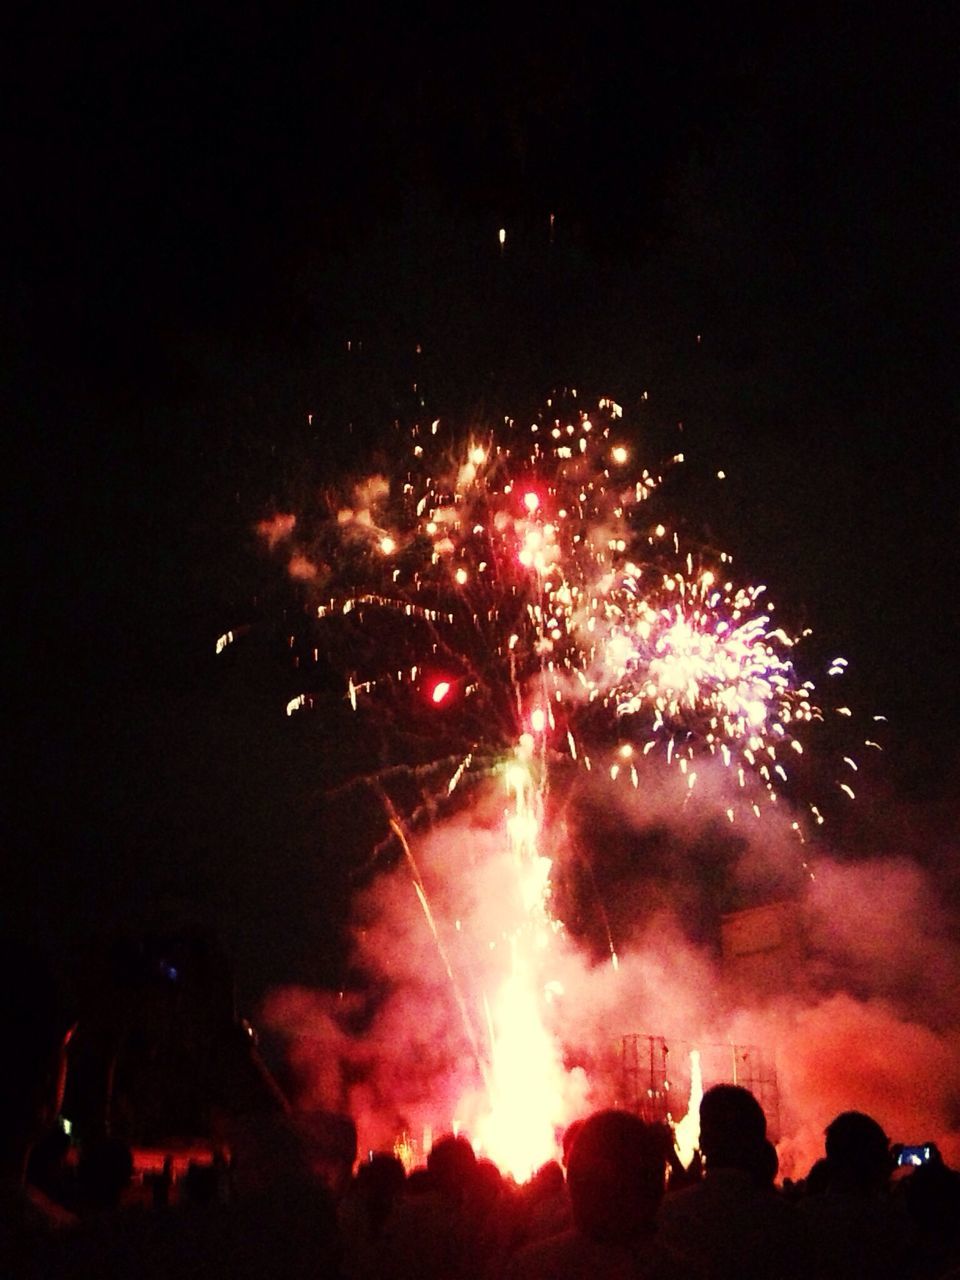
279	1223
488	1184
853	1227
452	1165
817	1178
200	1184
569	1137
496	1205
364	1212
615	1178
733	1221
36	1026
104	1173
162	1184
435	1232
858	1154
379	1184
49	1169
547	1203
930	1195
767	1164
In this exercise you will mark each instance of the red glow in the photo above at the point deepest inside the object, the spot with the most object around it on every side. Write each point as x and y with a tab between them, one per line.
440	691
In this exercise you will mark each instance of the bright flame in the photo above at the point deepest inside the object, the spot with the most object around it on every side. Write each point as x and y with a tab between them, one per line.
526	1076
686	1132
519	1132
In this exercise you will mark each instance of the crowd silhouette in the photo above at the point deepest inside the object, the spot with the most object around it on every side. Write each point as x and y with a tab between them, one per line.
281	1200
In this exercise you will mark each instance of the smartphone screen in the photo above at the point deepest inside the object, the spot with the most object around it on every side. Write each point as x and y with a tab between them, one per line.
914	1155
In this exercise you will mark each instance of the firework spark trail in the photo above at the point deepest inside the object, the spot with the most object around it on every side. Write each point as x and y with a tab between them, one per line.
421	892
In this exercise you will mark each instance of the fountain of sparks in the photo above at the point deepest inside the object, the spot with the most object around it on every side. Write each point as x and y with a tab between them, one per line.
517	573
526	1070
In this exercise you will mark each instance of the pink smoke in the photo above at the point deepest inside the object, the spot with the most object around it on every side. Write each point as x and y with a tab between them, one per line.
862	1013
277	529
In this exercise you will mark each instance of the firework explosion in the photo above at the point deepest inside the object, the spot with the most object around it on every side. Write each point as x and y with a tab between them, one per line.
517	579
518	573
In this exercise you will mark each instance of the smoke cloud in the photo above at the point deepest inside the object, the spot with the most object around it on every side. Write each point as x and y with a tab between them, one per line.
850	984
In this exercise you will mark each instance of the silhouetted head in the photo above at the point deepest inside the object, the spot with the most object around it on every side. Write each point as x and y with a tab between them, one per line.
616	1174
48	1162
487	1183
767	1164
547	1181
382	1175
858	1152
452	1165
331	1143
818	1178
379	1182
733	1128
569	1135
36	1024
419	1183
104	1172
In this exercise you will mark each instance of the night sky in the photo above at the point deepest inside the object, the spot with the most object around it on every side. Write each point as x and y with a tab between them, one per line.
753	221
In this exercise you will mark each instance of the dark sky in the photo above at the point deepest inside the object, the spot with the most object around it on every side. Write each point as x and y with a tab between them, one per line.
206	205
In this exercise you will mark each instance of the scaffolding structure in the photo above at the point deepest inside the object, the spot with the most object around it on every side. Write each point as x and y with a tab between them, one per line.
655	1076
646	1084
755	1070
